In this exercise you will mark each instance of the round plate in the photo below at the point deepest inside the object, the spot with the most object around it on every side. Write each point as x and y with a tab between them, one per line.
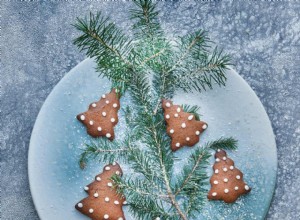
56	181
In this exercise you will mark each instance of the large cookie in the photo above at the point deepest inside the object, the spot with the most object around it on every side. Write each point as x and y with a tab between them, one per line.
103	201
182	127
102	116
227	182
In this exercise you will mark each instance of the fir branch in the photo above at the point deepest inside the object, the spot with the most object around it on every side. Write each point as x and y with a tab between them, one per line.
103	41
192	42
193	110
151	68
145	15
103	150
209	69
193	177
224	143
193	174
137	187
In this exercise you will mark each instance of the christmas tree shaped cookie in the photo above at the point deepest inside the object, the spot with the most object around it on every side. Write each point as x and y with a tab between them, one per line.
182	127
102	116
227	182
103	201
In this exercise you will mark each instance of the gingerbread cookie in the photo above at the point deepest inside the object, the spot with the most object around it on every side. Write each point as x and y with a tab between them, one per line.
102	116
227	182
182	127
103	201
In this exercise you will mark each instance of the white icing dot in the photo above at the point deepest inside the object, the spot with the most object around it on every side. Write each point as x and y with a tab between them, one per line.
172	131
178	110
231	167
82	117
106	199
177	144
224	158
168	104
98	178
86	188
204	126
96	195
183	125
225	169
94	105
108	135
125	203
175	115
197	132
91	122
218	150
191	117
167	116
106	216
225	180
238	177
104	114
107	168
107	102
114	163
217	160
120	218
91	210
109	184
187	139
247	187
226	190
216	171
115	105
214	194
80	205
216	182
112	119
99	129
116	202
118	172
104	96
236	188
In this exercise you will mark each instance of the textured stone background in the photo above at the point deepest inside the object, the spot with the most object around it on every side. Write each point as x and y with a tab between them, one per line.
37	51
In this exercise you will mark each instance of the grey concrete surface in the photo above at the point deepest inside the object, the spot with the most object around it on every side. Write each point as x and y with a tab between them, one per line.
36	52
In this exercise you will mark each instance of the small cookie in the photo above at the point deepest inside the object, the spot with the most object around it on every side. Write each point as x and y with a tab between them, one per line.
102	116
227	182
103	201
182	127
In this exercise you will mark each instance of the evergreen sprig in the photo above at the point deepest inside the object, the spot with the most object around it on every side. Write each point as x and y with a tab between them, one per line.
150	67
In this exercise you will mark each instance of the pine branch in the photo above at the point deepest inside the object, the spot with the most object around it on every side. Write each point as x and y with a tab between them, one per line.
103	150
150	68
193	177
190	44
103	41
224	143
193	110
194	174
138	188
145	15
201	75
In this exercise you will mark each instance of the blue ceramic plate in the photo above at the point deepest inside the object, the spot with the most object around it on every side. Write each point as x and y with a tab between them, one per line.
56	181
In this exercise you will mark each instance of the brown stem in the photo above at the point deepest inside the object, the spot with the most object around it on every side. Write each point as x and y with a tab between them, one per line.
113	150
166	180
